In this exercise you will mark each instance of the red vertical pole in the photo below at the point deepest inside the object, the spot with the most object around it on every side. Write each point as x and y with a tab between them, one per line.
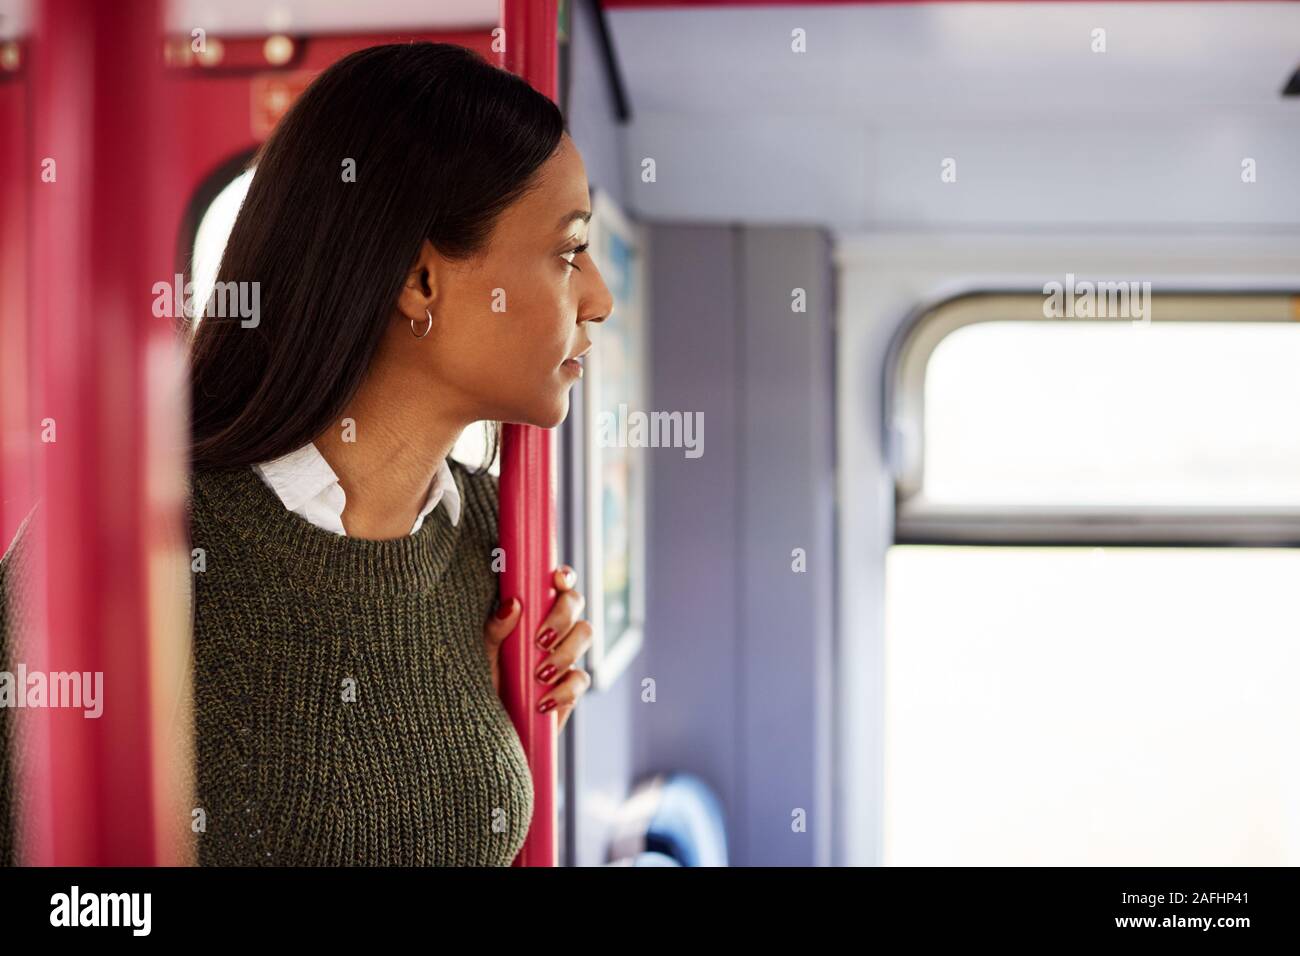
99	402
527	523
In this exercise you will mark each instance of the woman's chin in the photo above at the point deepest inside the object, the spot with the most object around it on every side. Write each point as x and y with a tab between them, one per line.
549	415
557	414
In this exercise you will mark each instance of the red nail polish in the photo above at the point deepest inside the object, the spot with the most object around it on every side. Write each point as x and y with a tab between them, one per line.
546	705
548	638
546	672
505	610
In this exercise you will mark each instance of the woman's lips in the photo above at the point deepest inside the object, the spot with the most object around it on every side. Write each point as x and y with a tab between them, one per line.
574	364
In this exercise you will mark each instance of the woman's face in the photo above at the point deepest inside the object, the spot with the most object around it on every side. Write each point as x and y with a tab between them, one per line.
505	322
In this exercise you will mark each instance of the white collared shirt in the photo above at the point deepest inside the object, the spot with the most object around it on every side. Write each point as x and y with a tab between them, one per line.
308	486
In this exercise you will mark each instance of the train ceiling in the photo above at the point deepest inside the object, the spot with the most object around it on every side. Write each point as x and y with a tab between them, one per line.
1046	132
887	60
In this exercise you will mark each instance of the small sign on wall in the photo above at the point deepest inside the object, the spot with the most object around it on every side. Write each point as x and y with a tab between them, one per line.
617	471
273	94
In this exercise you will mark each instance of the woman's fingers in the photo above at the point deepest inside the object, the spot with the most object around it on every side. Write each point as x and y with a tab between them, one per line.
498	627
566	611
565	578
565	653
563	635
564	696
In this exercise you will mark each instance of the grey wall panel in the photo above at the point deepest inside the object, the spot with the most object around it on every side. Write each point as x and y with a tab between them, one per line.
693	640
739	643
787	492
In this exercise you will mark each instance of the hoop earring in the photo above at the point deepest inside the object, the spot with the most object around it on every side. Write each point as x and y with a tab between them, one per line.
420	335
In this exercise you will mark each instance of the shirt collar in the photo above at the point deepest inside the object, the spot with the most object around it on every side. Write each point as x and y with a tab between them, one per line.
303	479
443	488
300	476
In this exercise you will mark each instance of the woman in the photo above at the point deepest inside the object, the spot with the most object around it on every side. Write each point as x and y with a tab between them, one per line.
416	229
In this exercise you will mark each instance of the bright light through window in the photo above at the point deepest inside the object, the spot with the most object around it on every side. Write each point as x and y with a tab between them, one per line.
471	448
1111	413
214	229
1078	706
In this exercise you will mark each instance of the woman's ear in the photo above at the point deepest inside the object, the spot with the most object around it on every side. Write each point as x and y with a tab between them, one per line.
420	290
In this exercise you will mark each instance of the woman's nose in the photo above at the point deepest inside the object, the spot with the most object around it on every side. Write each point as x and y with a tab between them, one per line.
600	304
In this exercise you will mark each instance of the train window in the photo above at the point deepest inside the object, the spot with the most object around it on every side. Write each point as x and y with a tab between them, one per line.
1091	706
1008	425
1104	413
209	245
1052	697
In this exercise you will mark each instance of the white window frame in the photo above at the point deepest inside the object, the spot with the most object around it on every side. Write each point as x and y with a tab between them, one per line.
918	521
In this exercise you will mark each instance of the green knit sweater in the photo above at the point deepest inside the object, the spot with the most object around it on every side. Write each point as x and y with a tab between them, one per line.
344	712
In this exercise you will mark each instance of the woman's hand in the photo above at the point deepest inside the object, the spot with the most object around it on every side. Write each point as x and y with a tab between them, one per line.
564	635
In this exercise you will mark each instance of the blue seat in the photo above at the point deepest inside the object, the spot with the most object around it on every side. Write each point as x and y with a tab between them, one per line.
646	859
654	859
675	816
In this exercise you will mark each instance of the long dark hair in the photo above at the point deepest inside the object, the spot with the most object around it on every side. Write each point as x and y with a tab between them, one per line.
442	143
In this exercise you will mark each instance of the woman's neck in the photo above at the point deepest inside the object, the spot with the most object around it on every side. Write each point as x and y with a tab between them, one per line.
387	456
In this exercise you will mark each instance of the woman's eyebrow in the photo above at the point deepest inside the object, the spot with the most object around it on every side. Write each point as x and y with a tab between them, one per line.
583	214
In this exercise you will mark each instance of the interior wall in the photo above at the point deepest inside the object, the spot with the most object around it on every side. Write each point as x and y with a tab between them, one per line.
1140	167
740	626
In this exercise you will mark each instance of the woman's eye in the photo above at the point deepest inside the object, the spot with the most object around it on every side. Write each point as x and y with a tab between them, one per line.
574	252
